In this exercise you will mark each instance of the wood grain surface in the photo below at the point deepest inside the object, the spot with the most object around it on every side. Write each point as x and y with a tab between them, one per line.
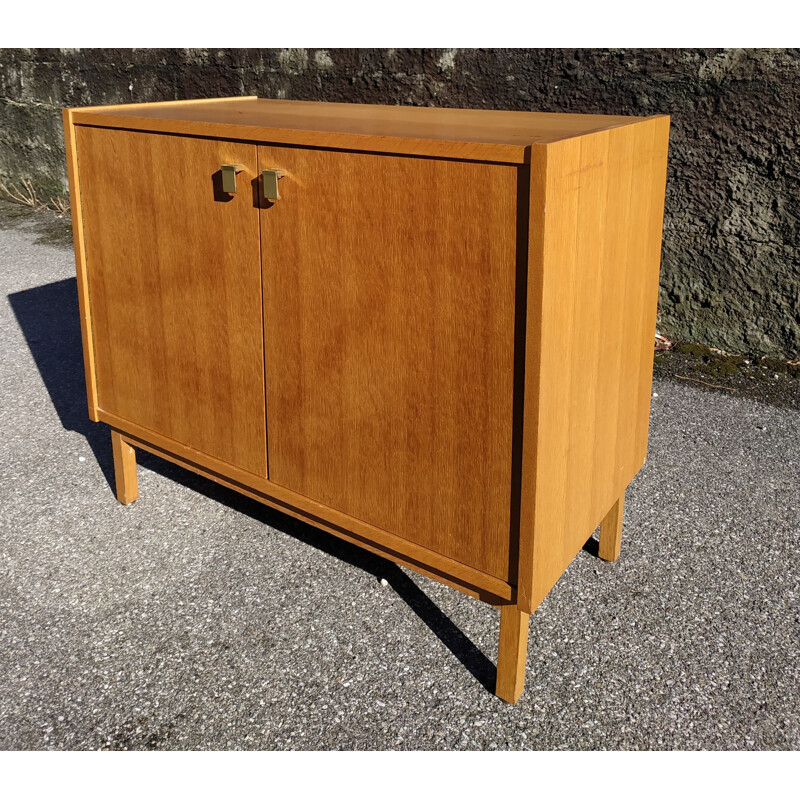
389	313
174	280
596	221
476	134
84	306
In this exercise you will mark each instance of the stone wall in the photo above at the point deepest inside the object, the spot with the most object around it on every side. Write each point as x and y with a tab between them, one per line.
731	266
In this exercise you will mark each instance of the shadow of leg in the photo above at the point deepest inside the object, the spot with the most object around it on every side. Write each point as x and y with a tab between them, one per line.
592	547
49	320
482	669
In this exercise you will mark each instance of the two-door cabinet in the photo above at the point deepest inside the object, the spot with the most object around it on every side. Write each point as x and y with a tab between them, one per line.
426	331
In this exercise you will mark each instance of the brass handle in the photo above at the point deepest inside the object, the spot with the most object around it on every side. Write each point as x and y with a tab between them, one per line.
229	177
269	183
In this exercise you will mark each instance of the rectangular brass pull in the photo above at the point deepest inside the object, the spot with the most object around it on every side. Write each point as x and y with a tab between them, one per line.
229	177
269	182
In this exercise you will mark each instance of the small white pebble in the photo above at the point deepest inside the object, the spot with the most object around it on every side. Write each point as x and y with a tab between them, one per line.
384	582
775	375
81	458
655	394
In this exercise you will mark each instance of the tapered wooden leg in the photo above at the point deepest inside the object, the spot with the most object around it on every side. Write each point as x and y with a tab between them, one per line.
611	532
124	469
513	651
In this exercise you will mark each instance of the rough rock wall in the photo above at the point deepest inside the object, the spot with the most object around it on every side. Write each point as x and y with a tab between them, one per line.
731	260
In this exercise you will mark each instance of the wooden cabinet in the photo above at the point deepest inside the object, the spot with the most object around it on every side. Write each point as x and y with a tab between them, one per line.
433	340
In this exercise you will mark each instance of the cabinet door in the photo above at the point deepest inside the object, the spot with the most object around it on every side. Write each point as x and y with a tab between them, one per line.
389	316
175	288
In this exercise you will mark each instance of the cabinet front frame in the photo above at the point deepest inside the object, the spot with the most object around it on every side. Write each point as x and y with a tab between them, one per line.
442	568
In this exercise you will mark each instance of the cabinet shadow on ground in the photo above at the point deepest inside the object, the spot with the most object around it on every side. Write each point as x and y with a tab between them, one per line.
49	319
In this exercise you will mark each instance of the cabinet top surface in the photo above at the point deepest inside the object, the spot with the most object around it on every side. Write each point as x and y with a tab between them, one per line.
463	133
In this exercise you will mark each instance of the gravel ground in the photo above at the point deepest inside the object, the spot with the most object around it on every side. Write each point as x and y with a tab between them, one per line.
196	618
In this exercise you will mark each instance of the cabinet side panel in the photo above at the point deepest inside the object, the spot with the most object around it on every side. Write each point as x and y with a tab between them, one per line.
174	280
389	292
589	368
80	264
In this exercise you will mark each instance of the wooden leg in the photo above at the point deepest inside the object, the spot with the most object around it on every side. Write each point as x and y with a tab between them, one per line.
124	469
513	651
611	532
